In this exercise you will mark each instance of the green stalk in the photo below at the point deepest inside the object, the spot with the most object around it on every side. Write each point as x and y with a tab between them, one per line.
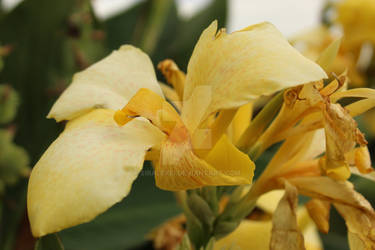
154	24
261	122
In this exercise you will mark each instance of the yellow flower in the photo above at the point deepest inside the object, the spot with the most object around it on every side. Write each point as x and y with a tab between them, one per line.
357	18
93	163
312	111
313	42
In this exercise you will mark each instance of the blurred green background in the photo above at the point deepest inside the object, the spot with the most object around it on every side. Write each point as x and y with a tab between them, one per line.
43	43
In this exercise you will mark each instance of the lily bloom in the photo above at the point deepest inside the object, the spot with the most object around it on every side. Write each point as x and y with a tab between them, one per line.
117	116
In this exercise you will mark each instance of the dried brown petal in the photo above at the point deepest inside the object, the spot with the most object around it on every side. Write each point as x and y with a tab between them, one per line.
342	135
285	231
170	234
360	223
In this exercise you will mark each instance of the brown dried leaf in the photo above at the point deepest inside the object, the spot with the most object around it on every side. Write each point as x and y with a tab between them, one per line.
342	135
360	223
170	234
285	231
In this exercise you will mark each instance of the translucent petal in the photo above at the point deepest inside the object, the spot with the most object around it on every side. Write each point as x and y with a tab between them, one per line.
241	66
87	169
109	83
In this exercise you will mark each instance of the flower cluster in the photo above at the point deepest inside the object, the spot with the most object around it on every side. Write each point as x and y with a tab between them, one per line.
202	138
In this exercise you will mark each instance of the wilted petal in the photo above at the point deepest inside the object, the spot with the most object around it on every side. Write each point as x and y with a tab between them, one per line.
319	212
109	83
342	135
325	188
361	224
285	231
240	67
86	170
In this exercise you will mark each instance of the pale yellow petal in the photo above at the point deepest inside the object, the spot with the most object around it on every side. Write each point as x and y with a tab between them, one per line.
171	95
357	92
319	211
328	56
256	235
109	83
179	167
359	107
269	201
357	19
360	223
325	188
249	235
240	67
173	75
240	122
285	231
86	170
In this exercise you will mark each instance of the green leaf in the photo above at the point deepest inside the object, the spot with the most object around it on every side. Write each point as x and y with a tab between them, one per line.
190	30
185	243
49	242
9	101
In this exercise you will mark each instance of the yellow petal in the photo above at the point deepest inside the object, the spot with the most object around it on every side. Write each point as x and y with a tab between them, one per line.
256	235
360	158
109	83
357	19
249	235
269	201
319	212
325	188
285	231
240	121
327	57
298	102
360	223
174	76
240	67
86	170
171	95
178	167
357	92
